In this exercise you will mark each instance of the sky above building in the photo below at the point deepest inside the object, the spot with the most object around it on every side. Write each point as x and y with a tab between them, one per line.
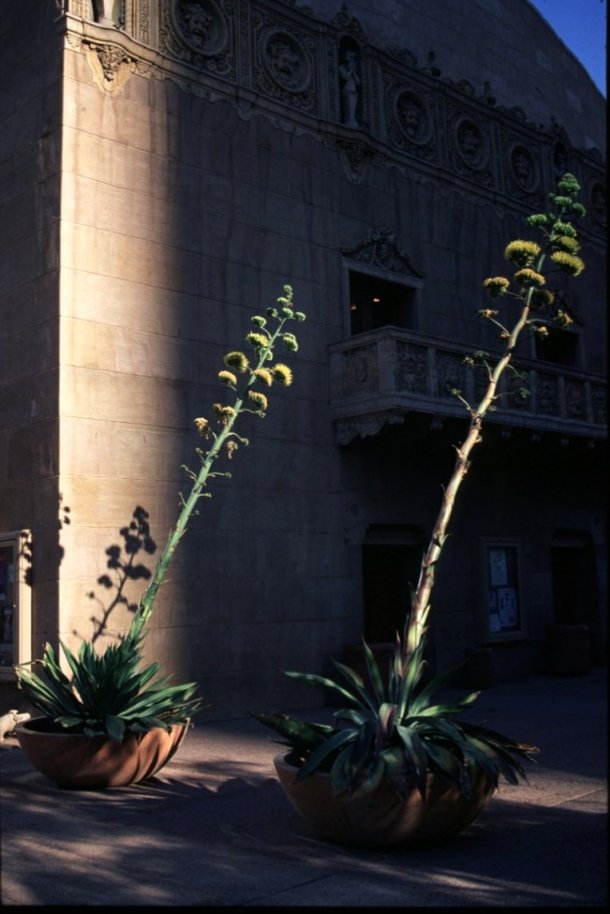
582	26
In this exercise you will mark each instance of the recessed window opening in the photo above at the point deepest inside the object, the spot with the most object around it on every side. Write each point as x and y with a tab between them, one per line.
376	303
560	347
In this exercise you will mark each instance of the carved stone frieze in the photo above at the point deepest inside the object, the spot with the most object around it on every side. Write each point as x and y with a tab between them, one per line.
410	121
381	250
522	170
349	25
412	368
450	373
81	8
517	392
348	430
357	156
469	145
388	110
547	395
575	400
283	62
361	369
111	66
200	33
480	382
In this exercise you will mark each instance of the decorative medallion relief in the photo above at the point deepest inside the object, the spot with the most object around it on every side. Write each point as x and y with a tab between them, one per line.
284	62
522	171
547	395
480	382
198	32
575	400
450	373
469	147
410	121
331	73
360	369
199	23
514	396
412	368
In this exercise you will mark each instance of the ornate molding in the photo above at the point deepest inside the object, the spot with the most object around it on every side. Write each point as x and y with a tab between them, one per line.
347	430
384	374
111	66
381	251
277	60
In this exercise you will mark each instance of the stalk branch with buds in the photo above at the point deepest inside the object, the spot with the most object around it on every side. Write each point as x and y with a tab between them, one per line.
560	246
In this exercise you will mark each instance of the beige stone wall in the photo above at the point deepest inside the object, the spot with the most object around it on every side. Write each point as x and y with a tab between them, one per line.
181	211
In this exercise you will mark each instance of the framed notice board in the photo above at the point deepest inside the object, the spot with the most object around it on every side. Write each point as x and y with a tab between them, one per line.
503	607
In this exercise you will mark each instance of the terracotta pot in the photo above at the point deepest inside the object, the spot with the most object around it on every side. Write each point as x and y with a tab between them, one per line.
379	818
88	762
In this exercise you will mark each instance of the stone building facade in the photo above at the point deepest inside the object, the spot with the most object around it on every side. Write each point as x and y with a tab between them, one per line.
165	167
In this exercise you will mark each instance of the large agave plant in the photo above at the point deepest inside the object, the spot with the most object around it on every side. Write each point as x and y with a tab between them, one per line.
399	733
107	693
395	730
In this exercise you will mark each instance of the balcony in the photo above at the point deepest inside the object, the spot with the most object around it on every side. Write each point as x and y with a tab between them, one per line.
379	376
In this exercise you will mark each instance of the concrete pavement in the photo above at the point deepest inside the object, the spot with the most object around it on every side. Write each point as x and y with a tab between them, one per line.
214	828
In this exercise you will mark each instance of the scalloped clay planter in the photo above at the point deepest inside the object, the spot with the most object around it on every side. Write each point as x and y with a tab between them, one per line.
91	762
379	818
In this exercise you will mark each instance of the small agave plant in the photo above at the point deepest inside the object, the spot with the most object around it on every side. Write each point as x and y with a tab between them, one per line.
111	693
393	727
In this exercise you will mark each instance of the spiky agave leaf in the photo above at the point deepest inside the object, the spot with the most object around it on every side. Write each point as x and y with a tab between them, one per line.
107	693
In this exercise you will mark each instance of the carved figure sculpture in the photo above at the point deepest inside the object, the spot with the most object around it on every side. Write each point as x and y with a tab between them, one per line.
350	80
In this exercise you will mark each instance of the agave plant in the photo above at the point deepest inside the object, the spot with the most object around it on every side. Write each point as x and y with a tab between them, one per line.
108	693
398	732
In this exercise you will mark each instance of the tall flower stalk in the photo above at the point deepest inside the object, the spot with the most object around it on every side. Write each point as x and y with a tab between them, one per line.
537	309
112	693
262	340
395	728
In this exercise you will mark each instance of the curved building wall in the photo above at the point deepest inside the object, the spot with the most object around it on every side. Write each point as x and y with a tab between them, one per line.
508	47
201	163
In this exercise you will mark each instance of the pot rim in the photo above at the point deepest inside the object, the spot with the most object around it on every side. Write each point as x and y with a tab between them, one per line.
29	726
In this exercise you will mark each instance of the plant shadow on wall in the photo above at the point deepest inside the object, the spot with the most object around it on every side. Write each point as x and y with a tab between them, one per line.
123	568
110	720
397	765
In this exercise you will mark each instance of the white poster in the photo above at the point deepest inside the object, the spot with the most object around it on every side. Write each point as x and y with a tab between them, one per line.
507	607
498	572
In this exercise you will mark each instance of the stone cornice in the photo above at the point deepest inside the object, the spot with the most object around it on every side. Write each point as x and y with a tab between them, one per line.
278	61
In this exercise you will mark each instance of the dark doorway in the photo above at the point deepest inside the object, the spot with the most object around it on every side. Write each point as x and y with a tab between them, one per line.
574	585
389	571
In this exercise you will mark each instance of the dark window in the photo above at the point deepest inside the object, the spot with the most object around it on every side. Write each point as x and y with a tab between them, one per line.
559	347
378	303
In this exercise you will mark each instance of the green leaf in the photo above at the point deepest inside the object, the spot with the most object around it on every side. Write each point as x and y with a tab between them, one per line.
373	671
115	727
323	682
321	753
